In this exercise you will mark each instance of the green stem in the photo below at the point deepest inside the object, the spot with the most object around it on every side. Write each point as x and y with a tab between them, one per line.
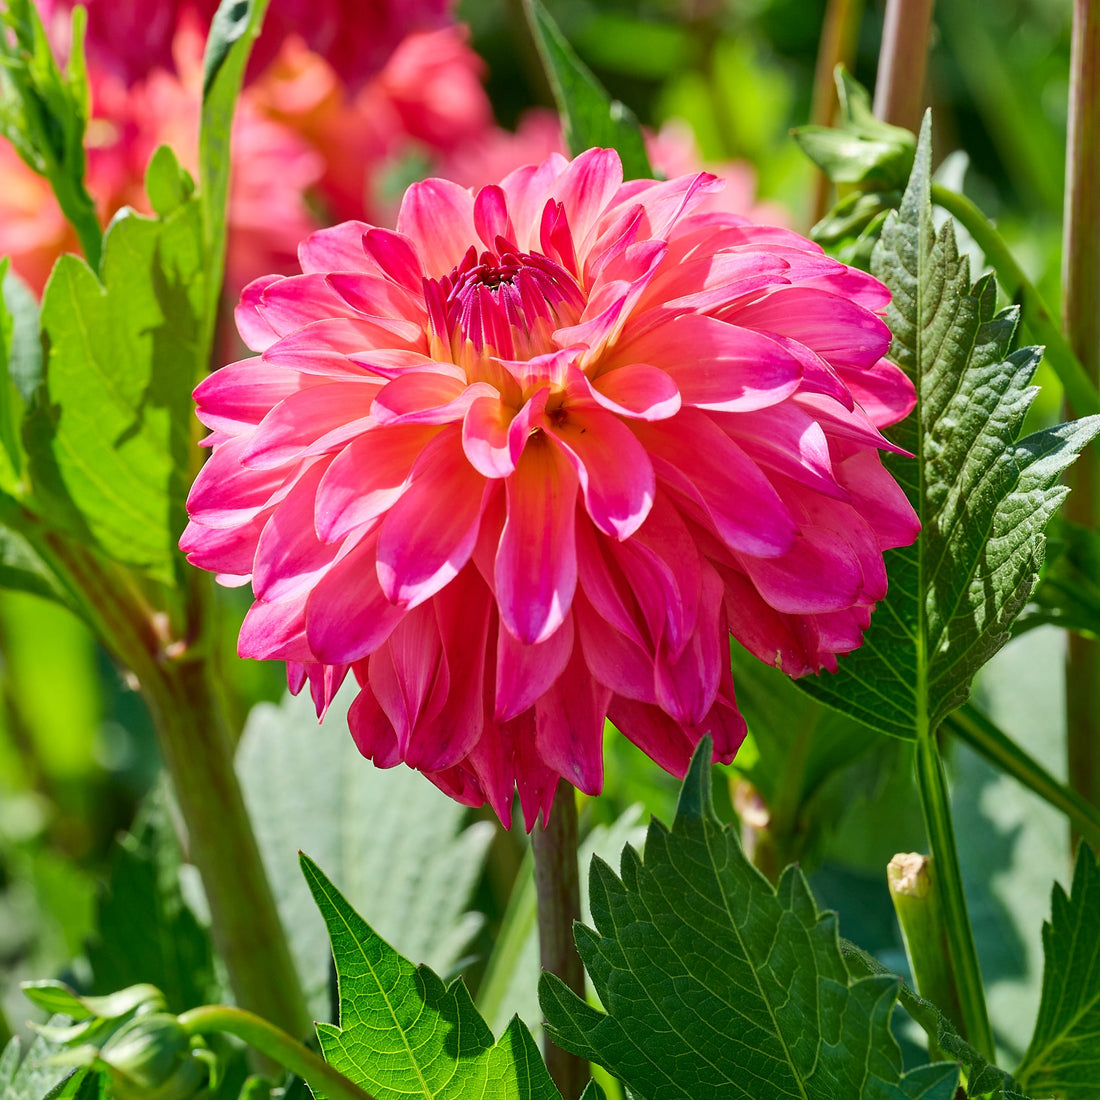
985	737
558	889
899	88
936	803
515	928
1081	391
1081	314
276	1045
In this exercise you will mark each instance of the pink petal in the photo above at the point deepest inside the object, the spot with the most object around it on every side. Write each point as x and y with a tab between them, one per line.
229	551
376	296
438	216
486	437
585	188
275	631
884	392
242	394
876	495
288	304
347	613
491	216
396	257
536	564
372	731
524	672
426	397
429	534
615	474
255	331
368	477
614	660
338	248
637	390
227	494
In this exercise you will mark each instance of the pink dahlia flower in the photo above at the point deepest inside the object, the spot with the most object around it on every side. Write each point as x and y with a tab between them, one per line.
526	463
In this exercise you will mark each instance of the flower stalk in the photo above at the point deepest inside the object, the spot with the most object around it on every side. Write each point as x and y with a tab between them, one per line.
1081	321
899	87
965	976
276	1045
557	888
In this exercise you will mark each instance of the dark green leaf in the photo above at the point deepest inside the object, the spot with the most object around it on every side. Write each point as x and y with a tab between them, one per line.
983	497
861	149
109	438
1068	593
716	984
404	853
235	27
590	117
404	1032
44	112
982	1078
145	931
1062	1058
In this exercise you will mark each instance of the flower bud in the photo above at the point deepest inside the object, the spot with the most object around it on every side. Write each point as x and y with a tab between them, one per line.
153	1058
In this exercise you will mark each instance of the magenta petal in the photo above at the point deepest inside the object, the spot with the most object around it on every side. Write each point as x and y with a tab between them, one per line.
338	248
255	331
347	613
275	631
615	474
637	390
438	216
367	477
242	394
819	573
536	564
491	216
430	533
569	721
372	731
586	187
396	256
524	672
403	672
226	494
229	551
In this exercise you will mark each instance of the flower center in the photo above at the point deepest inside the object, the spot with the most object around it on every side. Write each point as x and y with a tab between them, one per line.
505	303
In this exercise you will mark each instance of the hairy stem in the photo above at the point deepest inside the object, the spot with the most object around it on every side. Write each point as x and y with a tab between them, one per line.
984	736
899	88
1081	390
276	1045
1081	317
558	889
966	973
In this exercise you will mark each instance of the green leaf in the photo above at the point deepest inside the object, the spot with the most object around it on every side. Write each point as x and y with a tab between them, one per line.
44	112
982	1078
407	1034
1068	593
983	497
33	1076
22	568
109	437
590	117
20	369
145	932
403	852
235	27
167	183
1062	1056
861	149
717	984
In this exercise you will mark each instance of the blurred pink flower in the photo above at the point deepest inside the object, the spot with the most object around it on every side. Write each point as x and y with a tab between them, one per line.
129	38
527	461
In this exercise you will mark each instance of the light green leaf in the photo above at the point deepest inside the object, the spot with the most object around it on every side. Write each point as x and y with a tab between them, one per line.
399	846
235	27
145	932
109	437
1062	1058
590	117
20	369
167	183
33	1076
717	984
407	1034
983	497
44	112
22	568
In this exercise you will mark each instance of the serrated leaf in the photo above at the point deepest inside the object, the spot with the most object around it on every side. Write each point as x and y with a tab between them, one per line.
145	932
109	438
404	1033
32	1076
1061	1059
402	850
716	984
1068	593
983	497
983	1079
590	117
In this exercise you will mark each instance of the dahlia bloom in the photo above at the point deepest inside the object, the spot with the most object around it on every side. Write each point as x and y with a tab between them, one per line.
526	463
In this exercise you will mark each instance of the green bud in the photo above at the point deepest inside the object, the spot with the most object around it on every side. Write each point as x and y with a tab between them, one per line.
153	1058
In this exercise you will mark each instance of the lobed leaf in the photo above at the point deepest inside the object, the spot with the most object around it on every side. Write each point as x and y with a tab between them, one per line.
1062	1058
404	1033
590	117
716	984
983	496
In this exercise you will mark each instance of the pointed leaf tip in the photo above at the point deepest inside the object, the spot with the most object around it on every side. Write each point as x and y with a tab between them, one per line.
695	800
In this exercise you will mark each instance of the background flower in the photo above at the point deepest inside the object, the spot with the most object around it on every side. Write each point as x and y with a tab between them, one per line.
526	462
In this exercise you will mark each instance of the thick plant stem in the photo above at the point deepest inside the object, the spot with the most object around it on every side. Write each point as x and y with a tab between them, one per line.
1081	390
558	889
970	725
936	803
176	680
276	1045
1081	318
899	88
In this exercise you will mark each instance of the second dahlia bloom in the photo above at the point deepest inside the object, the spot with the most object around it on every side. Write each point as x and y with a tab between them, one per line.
527	461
